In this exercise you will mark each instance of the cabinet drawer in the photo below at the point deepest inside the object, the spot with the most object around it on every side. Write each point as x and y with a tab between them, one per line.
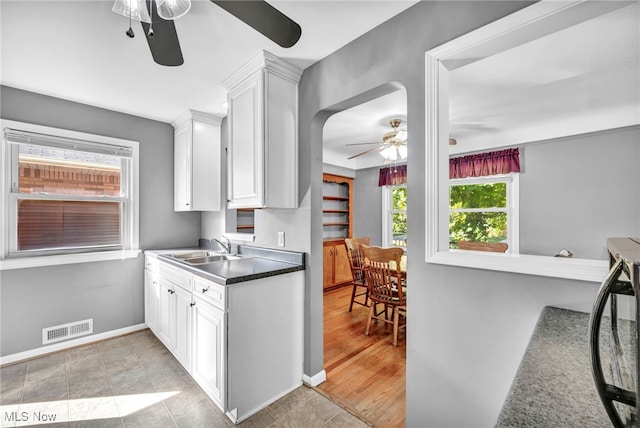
209	291
151	263
176	275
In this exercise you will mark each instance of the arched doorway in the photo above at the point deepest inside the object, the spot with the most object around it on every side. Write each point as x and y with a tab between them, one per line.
366	374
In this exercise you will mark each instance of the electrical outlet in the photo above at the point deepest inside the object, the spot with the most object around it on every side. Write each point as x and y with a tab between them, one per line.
280	239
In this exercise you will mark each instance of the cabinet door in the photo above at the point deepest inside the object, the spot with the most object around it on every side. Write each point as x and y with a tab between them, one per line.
182	168
166	313
208	339
183	307
246	147
151	295
342	269
327	270
206	166
336	268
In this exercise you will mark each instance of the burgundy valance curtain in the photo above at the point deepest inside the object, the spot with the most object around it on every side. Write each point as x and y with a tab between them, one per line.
393	175
490	163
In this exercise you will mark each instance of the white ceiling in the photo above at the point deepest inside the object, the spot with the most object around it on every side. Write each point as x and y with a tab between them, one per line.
584	78
580	79
78	50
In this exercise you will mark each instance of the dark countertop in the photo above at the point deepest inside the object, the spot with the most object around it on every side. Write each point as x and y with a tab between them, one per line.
553	386
258	263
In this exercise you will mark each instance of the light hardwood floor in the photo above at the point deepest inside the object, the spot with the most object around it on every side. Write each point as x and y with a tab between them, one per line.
365	374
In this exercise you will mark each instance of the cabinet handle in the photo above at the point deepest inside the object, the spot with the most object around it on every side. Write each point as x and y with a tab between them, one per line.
155	282
204	290
331	252
192	304
187	204
170	291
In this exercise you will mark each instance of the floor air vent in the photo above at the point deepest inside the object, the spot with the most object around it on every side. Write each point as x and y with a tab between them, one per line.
66	331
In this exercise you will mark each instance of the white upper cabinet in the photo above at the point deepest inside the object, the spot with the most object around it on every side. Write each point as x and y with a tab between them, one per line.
197	162
263	134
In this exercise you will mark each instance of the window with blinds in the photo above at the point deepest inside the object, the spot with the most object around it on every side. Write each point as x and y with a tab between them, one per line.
67	194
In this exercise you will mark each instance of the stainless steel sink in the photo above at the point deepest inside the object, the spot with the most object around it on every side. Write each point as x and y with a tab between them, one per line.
193	255
211	259
200	257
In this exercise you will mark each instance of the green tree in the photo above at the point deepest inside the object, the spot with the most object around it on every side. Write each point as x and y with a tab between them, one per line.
477	225
399	202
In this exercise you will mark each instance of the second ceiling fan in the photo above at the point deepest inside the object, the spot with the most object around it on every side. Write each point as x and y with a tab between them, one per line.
393	146
156	17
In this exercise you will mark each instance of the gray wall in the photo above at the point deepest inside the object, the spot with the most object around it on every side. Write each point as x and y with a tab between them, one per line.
110	292
576	192
467	328
338	170
368	205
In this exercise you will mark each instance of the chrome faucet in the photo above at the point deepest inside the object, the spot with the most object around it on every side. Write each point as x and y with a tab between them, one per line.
225	248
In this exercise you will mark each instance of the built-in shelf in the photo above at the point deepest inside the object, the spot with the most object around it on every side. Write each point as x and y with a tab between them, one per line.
337	207
245	220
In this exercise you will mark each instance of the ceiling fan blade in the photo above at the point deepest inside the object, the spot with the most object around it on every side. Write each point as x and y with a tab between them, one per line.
265	19
360	144
164	45
367	151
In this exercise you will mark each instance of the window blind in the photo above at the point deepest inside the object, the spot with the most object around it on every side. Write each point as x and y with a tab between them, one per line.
15	136
57	224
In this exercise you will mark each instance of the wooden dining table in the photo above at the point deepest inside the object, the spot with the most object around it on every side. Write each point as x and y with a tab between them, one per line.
403	265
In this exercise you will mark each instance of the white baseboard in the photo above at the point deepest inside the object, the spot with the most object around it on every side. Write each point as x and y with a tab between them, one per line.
13	358
316	379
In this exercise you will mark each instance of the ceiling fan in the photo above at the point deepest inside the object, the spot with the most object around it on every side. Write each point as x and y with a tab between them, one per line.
156	17
393	146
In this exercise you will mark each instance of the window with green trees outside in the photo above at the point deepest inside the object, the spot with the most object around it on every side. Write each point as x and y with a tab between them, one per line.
478	211
399	215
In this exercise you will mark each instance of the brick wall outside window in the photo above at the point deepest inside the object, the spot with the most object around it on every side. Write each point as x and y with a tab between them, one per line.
68	179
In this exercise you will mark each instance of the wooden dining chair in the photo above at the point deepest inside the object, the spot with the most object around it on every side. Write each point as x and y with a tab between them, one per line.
356	262
383	282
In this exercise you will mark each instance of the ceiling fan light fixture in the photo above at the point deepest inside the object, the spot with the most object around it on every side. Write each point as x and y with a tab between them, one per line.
402	135
134	9
389	153
173	9
402	151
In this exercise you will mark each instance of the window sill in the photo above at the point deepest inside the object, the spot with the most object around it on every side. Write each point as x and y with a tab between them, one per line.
65	259
557	267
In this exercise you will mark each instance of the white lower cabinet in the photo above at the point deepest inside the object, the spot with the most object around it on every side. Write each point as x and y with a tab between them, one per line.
151	293
174	312
164	332
244	354
207	356
182	342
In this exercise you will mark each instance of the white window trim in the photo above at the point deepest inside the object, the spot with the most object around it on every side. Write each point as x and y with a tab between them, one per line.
436	154
513	204
131	243
387	215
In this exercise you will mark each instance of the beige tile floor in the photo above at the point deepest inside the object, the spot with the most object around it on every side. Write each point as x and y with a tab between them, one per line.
133	381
